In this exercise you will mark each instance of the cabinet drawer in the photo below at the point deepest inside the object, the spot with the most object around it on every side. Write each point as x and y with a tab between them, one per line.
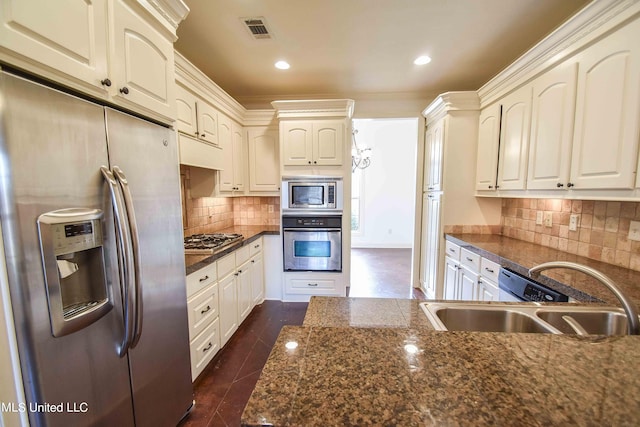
202	310
452	250
226	265
242	255
470	260
489	269
255	247
201	279
311	286
204	347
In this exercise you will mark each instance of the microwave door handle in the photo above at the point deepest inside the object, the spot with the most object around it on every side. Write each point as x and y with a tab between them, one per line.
135	241
124	246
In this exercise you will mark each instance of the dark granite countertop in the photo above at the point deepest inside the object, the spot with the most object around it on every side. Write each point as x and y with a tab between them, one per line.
520	256
194	263
396	372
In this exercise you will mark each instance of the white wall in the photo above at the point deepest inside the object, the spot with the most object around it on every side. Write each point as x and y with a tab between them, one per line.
388	206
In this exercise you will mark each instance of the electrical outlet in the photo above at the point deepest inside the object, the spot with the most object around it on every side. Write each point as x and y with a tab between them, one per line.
573	222
539	218
548	221
634	231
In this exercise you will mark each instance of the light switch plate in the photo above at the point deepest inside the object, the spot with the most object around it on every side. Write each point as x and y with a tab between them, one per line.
548	219
539	218
634	231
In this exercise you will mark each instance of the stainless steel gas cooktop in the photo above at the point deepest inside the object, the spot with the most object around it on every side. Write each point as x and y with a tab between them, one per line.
203	244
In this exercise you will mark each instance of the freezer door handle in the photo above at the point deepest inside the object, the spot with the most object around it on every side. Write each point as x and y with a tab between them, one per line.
135	241
126	261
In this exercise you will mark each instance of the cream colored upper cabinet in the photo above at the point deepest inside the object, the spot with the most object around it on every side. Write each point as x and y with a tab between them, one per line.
318	142
237	137
488	148
207	122
232	143
186	112
514	140
434	140
70	36
143	69
552	119
605	146
264	160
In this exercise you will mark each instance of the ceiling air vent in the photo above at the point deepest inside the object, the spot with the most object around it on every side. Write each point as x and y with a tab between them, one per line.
257	28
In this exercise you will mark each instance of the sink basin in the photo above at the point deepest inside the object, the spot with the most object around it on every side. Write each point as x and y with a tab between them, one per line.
590	321
483	318
528	318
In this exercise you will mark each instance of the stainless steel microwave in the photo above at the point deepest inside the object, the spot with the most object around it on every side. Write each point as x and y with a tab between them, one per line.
312	194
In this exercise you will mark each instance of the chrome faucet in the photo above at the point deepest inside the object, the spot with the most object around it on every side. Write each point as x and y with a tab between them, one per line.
633	324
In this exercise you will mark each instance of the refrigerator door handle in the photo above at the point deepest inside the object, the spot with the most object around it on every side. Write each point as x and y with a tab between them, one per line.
133	228
124	245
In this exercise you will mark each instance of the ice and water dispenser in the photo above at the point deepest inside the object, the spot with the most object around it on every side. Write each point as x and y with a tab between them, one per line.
71	243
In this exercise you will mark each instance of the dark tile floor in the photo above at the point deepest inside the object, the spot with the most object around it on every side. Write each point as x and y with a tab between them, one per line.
223	388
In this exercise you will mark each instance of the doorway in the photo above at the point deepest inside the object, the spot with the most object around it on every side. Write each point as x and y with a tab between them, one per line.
383	208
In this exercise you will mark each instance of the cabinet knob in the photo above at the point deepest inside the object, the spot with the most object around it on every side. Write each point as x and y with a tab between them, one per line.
309	161
196	133
497	186
490	187
559	185
570	184
315	163
106	82
253	261
124	91
203	135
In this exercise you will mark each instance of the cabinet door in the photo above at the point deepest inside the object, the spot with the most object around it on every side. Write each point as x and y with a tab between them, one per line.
328	142
430	244
225	140
487	291
186	112
514	140
239	156
605	146
488	148
244	290
297	142
451	268
257	280
552	118
69	36
467	285
228	307
143	63
264	160
434	151
207	122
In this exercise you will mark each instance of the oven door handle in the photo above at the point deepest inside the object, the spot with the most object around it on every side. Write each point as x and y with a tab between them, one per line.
321	230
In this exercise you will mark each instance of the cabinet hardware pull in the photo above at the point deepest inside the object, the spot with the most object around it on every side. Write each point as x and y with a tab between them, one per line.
315	163
430	188
202	279
253	261
570	184
105	82
202	135
239	271
309	161
205	310
124	90
469	259
207	348
256	246
196	132
559	185
497	186
491	186
312	284
451	250
489	270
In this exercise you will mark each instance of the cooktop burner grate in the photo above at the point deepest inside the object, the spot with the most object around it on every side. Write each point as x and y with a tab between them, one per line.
209	243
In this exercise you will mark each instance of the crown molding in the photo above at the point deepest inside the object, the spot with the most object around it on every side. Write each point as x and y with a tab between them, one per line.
260	118
314	108
168	13
594	21
189	76
451	101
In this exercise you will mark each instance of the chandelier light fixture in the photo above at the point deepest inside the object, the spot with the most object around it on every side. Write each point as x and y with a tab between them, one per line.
360	156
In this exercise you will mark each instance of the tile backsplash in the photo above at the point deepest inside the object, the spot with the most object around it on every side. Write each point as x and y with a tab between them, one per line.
601	234
212	214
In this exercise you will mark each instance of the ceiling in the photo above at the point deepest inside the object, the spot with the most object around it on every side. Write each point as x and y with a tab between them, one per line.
362	48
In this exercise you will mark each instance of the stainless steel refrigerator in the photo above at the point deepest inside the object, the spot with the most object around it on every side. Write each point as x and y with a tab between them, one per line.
91	225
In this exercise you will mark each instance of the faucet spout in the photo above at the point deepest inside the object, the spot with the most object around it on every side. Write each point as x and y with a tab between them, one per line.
633	323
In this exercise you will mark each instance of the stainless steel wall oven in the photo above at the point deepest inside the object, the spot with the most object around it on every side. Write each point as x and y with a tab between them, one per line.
312	243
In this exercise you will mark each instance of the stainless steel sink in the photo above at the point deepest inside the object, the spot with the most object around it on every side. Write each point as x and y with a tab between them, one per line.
585	320
526	317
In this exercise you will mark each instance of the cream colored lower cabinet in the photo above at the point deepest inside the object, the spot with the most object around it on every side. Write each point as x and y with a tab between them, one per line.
468	276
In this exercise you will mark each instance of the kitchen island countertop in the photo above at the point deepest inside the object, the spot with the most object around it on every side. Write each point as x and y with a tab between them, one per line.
397	372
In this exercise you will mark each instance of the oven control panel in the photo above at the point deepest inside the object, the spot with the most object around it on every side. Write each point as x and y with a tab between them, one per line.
333	221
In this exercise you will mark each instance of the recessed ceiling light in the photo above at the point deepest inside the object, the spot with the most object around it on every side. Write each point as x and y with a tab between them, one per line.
282	65
421	60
